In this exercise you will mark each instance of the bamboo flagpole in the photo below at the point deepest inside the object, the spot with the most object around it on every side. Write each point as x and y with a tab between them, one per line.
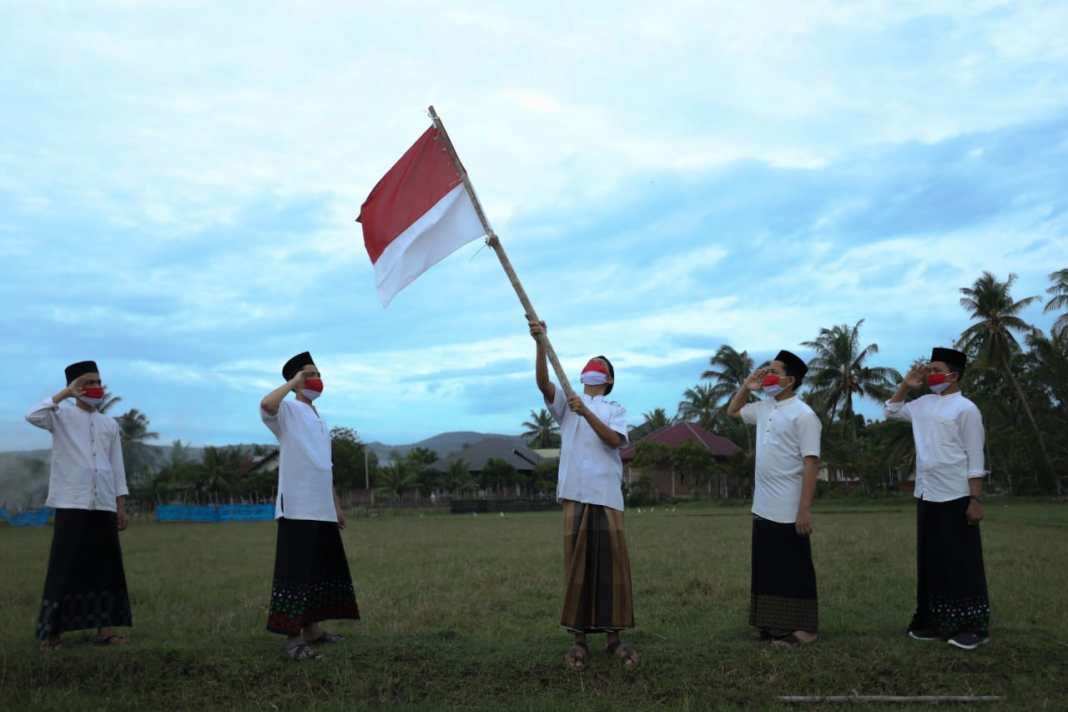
494	242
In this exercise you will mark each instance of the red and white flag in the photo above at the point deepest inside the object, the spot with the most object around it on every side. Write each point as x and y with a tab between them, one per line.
417	215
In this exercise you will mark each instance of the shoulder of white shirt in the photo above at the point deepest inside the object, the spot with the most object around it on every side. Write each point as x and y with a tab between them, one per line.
604	400
802	406
63	407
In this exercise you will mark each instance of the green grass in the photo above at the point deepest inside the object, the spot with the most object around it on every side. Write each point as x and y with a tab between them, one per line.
461	611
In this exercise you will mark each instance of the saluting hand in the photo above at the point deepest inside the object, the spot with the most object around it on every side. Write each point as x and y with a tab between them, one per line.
77	386
297	382
756	379
917	374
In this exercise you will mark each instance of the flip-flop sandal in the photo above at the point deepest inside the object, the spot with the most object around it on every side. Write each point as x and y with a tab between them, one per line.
301	651
327	638
104	640
625	652
578	657
790	641
49	645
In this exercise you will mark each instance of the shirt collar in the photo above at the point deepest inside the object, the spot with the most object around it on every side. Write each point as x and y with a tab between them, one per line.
784	402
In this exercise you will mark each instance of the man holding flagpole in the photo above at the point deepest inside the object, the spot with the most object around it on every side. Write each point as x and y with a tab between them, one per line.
597	592
422	210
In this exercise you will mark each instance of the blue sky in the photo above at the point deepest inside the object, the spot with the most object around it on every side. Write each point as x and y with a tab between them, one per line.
179	182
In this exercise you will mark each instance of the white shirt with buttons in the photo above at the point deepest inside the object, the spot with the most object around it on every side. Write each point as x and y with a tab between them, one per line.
590	471
787	432
305	466
949	436
87	468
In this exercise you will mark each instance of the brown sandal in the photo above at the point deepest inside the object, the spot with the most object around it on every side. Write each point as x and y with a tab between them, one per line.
791	641
625	652
301	651
578	657
111	640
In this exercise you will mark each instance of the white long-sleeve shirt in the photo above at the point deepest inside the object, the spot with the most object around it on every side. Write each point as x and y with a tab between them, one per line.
949	436
87	468
787	432
305	466
590	471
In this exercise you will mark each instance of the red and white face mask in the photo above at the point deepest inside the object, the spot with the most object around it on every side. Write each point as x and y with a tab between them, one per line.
594	373
313	388
772	385
937	382
92	396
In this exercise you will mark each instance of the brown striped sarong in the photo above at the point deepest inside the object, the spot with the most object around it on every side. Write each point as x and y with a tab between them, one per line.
597	588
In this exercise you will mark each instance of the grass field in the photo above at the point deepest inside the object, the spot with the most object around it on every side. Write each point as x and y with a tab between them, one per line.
461	611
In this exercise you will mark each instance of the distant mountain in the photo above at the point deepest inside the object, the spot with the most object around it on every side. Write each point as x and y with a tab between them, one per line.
444	444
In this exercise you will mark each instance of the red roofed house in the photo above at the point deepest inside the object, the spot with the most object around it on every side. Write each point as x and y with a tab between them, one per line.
664	480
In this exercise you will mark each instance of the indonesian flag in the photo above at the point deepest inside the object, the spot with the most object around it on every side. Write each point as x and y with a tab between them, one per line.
417	215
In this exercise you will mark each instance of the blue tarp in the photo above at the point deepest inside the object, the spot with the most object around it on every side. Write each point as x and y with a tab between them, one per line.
215	512
30	518
164	513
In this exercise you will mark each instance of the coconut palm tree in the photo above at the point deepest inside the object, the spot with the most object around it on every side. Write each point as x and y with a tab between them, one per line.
729	369
133	427
656	418
838	372
133	431
1059	300
990	303
651	420
218	472
1050	356
458	477
398	478
699	404
541	430
109	403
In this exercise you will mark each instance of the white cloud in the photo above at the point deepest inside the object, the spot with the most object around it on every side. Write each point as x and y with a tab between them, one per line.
186	119
176	123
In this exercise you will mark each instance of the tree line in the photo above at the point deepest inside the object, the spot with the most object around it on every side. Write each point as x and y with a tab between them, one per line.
1017	375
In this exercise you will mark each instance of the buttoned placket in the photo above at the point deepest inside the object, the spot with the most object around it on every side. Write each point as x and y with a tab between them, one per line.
92	452
770	427
577	462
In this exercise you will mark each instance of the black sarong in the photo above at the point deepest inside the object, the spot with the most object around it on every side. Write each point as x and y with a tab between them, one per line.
783	593
951	595
311	577
86	584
